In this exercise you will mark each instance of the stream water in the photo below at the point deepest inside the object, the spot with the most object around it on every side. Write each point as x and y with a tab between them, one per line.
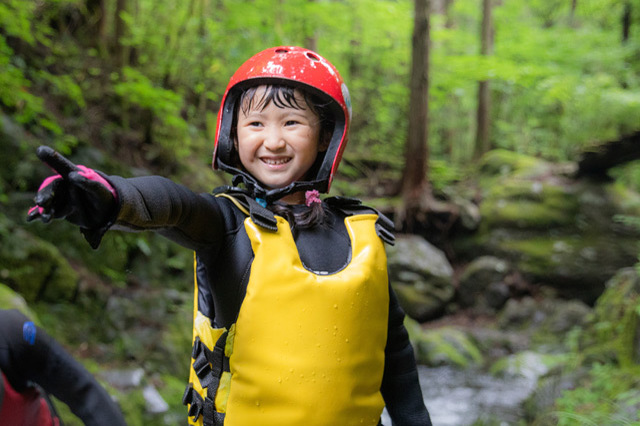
461	397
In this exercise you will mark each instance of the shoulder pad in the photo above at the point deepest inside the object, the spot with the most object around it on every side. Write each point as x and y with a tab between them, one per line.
353	206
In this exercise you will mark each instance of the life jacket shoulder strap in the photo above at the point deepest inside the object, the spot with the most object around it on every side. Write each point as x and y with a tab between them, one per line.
353	206
259	214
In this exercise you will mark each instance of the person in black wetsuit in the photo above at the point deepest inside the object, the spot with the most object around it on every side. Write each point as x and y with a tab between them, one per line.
32	366
295	321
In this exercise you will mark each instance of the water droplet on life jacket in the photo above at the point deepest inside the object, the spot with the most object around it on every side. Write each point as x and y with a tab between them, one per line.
335	306
279	379
346	340
257	403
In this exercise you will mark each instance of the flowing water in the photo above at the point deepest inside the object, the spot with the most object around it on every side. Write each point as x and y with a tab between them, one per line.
460	397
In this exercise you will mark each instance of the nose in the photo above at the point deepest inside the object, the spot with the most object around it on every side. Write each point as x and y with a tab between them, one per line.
274	139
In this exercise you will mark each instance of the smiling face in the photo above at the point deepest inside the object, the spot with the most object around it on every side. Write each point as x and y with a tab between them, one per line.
278	142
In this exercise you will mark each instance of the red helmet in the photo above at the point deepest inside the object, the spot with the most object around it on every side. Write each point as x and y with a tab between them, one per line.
296	67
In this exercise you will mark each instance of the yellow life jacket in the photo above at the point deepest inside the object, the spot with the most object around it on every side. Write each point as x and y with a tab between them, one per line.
306	349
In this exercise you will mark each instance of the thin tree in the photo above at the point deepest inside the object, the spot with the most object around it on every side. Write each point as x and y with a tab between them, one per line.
97	23
416	190
120	28
311	37
626	22
483	143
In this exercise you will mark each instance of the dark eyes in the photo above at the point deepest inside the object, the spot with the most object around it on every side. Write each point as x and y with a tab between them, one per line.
260	123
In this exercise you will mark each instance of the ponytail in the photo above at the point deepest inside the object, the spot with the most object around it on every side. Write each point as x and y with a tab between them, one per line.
312	216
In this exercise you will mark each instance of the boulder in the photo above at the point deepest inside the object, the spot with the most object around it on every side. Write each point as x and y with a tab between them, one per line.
613	332
9	299
33	267
482	285
421	276
545	322
443	346
555	230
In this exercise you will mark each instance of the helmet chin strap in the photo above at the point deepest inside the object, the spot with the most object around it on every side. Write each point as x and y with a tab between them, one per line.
270	195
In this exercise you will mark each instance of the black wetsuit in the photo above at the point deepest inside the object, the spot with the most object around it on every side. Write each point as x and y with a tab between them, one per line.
214	228
28	356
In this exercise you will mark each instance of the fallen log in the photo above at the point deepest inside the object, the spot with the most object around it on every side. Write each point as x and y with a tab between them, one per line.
597	162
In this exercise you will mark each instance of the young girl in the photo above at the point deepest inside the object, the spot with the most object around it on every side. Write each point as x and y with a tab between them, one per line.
295	322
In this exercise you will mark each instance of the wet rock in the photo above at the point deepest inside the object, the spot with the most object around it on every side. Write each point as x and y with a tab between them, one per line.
444	346
614	330
555	230
544	322
124	378
482	285
33	267
421	276
154	402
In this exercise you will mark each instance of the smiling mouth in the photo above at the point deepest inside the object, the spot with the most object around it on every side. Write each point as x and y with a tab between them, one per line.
275	161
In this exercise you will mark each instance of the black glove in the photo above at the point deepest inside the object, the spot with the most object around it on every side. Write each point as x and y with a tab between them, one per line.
78	194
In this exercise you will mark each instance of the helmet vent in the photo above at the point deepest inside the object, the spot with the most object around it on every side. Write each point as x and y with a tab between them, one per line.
282	51
312	56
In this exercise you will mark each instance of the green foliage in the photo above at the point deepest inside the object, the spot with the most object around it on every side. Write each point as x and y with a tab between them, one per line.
136	90
607	396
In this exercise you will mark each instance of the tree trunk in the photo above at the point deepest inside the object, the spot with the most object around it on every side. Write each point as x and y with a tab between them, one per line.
626	22
484	95
448	15
415	188
97	23
311	38
118	49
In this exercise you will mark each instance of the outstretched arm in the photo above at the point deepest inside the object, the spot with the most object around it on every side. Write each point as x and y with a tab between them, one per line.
29	354
97	202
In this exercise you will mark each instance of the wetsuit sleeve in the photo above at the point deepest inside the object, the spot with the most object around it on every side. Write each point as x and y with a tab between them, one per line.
400	386
156	203
29	354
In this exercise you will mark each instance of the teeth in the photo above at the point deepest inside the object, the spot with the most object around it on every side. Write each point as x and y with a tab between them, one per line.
276	162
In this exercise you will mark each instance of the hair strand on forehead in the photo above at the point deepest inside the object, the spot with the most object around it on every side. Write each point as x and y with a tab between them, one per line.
280	96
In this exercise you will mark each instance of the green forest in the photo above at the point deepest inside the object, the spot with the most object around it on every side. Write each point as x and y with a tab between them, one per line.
133	87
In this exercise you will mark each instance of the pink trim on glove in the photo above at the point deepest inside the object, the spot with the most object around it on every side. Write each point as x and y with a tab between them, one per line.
94	176
40	209
48	181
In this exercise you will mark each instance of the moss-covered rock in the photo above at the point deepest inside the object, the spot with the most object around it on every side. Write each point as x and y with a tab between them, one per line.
443	346
614	330
524	204
549	324
557	231
421	276
34	267
9	299
482	285
501	162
